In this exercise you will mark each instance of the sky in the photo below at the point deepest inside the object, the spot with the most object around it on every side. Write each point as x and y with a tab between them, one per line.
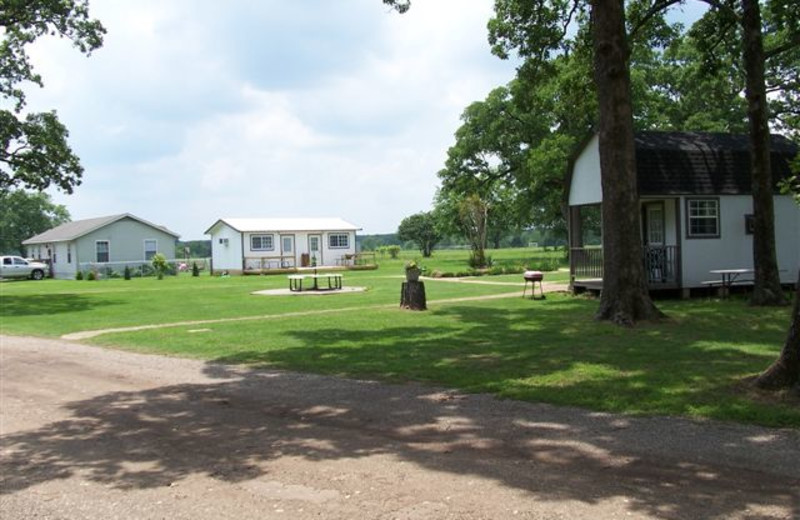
195	110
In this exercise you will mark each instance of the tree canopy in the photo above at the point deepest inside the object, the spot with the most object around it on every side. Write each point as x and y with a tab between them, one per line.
422	229
34	152
24	214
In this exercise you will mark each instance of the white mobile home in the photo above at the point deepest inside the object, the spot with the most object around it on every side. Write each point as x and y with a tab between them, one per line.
696	208
242	245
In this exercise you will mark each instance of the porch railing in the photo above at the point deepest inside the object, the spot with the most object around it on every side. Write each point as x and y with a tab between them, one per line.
586	262
265	263
660	264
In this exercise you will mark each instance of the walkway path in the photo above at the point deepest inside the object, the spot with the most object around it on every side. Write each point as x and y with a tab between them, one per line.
93	433
86	334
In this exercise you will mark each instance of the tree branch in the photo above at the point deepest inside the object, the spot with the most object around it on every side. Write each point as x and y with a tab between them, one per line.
723	7
657	7
791	44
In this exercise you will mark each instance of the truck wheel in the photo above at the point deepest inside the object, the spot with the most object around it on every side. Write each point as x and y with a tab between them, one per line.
37	274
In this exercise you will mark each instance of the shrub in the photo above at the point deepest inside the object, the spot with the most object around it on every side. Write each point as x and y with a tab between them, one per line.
127	273
195	269
544	264
497	269
91	276
394	251
160	265
478	260
79	275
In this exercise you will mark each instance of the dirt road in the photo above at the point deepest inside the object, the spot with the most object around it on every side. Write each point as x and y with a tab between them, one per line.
92	433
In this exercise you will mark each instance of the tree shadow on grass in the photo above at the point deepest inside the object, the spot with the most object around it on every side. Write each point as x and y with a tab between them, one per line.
524	354
233	425
230	429
48	304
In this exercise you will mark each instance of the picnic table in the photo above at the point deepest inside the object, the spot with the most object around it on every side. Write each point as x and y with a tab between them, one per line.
296	281
729	278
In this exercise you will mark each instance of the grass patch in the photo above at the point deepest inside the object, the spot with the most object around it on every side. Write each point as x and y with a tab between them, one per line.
57	307
549	351
695	364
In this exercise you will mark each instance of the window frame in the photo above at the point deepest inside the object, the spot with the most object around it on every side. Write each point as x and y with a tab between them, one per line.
690	218
155	252
261	237
97	251
338	237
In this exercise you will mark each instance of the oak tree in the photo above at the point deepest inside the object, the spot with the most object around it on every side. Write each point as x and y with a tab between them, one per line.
34	152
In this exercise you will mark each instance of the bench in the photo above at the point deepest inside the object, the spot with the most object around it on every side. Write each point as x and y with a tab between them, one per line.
724	286
720	283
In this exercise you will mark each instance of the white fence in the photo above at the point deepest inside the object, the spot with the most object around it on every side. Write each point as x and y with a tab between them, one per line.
138	269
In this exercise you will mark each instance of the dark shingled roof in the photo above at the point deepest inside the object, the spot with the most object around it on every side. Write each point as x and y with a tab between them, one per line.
683	163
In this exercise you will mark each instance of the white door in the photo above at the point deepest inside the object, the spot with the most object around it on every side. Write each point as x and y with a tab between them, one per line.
655	252
314	249
655	225
287	250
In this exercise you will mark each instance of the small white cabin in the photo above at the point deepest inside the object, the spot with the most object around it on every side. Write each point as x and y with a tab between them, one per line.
696	208
254	245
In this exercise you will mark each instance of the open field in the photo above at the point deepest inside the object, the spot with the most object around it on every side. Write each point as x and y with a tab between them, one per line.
454	261
477	337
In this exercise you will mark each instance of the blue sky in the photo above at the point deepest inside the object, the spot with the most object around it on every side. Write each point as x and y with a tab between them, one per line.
197	109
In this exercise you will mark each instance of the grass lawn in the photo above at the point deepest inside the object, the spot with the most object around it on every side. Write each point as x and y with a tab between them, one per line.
551	351
455	261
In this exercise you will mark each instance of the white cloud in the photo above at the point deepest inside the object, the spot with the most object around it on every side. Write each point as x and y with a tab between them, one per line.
196	110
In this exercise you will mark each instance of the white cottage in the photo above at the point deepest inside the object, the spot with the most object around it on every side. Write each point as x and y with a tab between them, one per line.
242	245
696	208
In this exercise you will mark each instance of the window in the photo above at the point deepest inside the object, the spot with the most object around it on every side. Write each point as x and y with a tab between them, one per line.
8	261
339	240
101	249
288	244
261	243
69	254
702	218
150	249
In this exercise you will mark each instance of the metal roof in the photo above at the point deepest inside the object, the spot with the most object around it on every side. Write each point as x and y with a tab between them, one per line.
78	228
286	224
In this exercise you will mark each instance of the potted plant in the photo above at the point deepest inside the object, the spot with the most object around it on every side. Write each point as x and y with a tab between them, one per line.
412	271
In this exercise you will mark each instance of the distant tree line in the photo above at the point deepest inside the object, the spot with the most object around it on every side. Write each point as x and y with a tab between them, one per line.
193	249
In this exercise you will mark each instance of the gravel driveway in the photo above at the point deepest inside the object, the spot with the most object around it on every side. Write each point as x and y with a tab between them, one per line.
95	433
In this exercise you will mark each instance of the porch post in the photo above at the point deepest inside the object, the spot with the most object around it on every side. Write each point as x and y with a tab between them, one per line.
575	240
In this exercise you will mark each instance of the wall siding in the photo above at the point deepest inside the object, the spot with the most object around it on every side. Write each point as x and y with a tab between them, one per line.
226	257
734	248
126	241
585	187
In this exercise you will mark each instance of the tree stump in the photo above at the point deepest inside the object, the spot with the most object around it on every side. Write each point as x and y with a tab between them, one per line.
412	296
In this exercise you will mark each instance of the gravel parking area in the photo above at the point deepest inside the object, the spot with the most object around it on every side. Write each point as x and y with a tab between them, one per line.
95	433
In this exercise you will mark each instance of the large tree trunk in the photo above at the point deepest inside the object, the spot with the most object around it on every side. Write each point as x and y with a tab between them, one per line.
624	299
785	371
767	287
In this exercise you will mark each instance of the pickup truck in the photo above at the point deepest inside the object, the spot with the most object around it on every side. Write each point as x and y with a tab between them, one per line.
18	267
